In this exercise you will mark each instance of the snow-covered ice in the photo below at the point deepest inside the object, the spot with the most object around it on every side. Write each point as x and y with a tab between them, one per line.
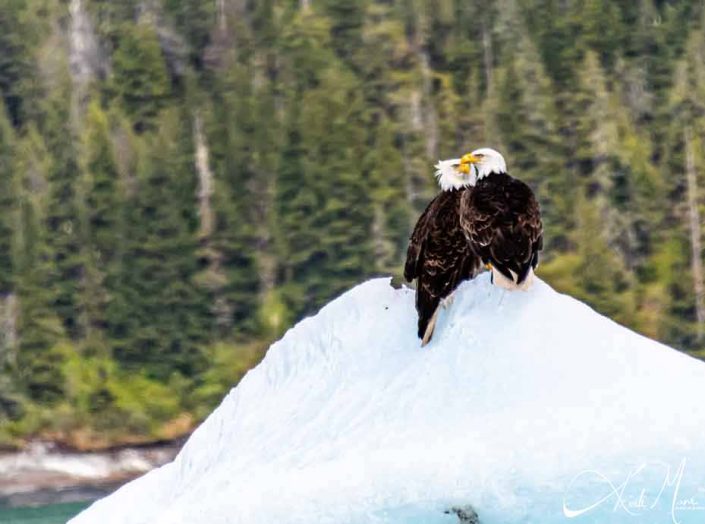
530	407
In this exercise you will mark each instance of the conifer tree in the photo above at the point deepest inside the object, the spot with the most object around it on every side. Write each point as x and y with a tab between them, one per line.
684	139
15	58
162	318
597	141
102	224
8	203
195	20
232	144
62	214
390	205
327	227
140	79
525	116
40	327
346	25
9	403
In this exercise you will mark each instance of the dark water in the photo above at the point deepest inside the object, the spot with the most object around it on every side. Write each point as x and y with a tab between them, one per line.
52	514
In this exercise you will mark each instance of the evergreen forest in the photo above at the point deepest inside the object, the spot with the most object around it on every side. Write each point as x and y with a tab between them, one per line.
181	180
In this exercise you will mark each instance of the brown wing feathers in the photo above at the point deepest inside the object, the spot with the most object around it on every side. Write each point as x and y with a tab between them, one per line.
439	257
414	253
496	222
502	222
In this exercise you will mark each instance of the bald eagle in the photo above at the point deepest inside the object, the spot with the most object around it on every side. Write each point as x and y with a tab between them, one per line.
501	220
439	256
482	216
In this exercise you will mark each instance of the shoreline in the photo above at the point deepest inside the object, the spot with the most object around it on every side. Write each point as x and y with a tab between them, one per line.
49	473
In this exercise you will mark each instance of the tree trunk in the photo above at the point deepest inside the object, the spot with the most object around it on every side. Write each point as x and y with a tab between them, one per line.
205	180
8	328
222	19
84	58
430	110
487	56
695	238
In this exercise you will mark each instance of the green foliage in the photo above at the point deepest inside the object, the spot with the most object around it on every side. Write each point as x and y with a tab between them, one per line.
56	242
8	203
112	18
15	58
239	173
162	317
230	363
103	227
140	79
231	166
102	192
195	20
325	229
346	17
39	325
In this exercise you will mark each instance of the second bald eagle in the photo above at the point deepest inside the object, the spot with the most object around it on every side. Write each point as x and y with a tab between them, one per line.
482	215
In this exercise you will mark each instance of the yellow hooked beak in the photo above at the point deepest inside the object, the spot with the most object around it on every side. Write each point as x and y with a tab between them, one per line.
465	161
469	159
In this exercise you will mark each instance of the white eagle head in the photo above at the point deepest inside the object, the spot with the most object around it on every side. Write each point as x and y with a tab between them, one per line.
466	171
483	162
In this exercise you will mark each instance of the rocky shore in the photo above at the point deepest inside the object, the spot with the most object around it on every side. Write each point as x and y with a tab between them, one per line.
43	473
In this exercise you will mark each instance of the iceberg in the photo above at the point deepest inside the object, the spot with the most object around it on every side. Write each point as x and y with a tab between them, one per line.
528	407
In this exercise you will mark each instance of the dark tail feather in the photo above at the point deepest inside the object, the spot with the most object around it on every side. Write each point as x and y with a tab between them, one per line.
424	319
531	264
523	273
427	308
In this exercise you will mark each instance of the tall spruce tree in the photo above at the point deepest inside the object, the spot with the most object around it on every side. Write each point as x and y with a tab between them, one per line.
326	226
164	318
237	177
140	79
9	403
62	214
102	222
40	325
8	203
15	58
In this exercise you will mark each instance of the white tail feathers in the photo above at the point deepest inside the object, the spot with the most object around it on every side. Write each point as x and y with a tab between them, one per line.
499	280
